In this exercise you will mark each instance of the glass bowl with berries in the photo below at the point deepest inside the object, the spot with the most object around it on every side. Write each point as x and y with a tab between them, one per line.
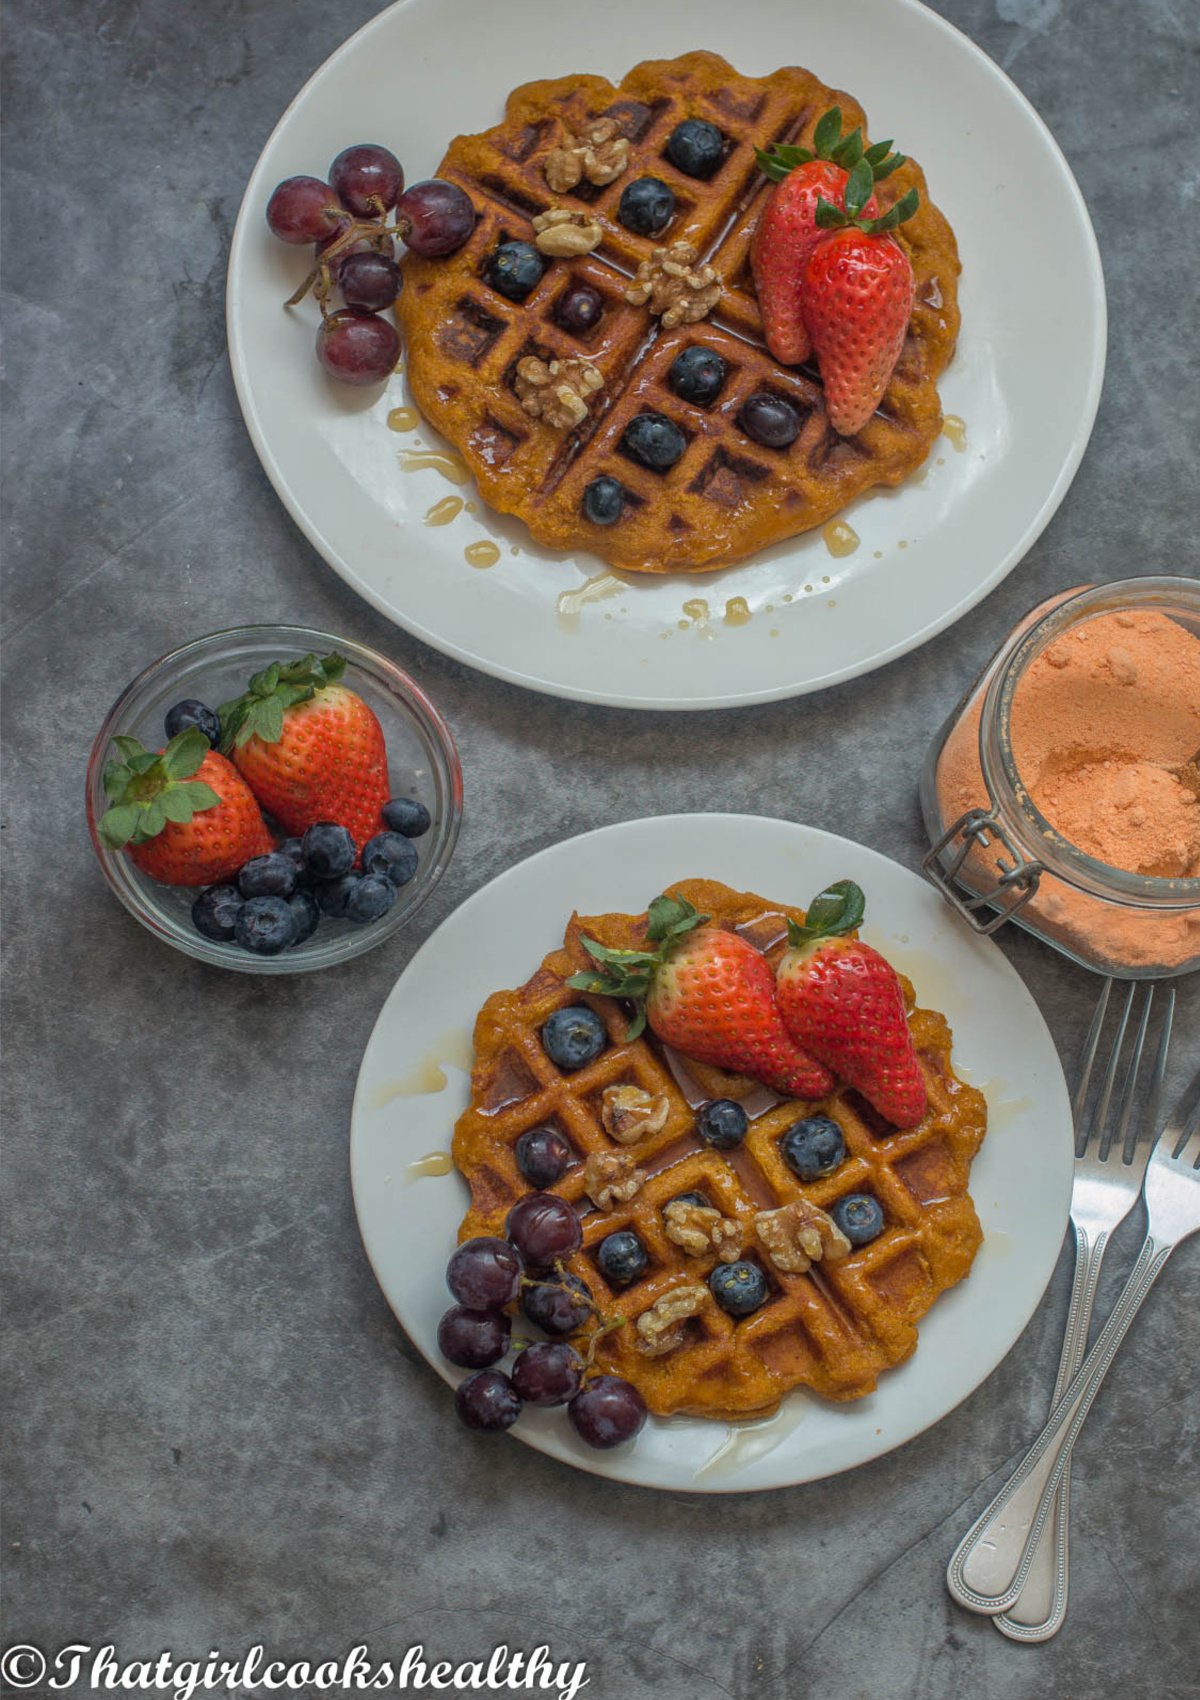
273	799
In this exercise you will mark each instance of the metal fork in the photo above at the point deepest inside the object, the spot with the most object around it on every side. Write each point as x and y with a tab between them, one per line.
981	1574
1110	1162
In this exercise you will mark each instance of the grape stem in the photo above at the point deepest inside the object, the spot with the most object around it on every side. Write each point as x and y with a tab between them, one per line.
376	231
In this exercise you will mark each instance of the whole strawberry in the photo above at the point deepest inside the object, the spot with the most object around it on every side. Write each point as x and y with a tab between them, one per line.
843	1001
856	299
185	814
309	748
787	228
708	993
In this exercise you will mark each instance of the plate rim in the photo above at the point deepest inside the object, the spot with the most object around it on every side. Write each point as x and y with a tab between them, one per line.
606	1464
784	690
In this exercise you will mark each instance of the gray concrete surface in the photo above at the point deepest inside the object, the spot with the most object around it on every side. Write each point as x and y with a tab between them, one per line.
216	1434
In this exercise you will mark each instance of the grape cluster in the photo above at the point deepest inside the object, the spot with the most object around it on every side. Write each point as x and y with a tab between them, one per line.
488	1274
346	219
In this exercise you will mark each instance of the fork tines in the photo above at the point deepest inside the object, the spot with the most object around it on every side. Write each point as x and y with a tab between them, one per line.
1092	1104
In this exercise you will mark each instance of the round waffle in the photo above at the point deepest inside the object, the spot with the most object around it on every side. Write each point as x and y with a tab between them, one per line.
833	1328
727	496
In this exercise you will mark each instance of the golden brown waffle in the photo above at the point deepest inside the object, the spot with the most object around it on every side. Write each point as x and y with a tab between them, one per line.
727	496
833	1329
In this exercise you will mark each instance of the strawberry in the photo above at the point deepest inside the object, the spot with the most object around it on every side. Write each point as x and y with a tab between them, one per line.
856	297
185	813
708	993
309	748
843	1001
788	227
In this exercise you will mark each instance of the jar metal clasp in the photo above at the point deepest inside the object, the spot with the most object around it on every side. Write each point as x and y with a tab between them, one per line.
1019	875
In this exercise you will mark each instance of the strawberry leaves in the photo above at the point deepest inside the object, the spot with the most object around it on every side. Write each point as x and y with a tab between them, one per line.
829	144
838	909
630	973
150	789
259	712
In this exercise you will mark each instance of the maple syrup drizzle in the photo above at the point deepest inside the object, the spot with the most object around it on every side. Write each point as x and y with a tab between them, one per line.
450	465
441	513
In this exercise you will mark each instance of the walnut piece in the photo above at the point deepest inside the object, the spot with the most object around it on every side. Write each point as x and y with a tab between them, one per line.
675	292
598	153
628	1112
557	392
798	1235
563	233
660	1329
611	1178
699	1228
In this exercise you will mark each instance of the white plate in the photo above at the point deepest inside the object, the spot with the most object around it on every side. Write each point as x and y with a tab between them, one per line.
1026	378
1021	1181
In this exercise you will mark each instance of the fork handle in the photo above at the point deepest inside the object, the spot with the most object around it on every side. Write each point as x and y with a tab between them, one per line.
1038	1611
990	1564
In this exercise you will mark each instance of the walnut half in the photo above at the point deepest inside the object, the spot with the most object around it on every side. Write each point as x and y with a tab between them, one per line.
563	234
698	1228
798	1235
660	1329
628	1113
677	293
611	1178
556	392
600	154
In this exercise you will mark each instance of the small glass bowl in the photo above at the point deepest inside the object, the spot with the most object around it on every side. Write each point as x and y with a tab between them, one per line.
422	762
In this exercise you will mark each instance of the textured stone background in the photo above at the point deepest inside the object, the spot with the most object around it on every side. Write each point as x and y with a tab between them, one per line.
216	1432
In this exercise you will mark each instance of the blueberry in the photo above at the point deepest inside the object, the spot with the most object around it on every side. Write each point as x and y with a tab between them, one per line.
560	1306
738	1288
272	875
604	501
769	420
580	309
265	925
722	1124
515	269
406	815
646	206
813	1148
328	849
697	374
215	912
543	1156
695	147
306	912
622	1257
333	895
574	1036
371	898
653	441
189	712
859	1216
392	854
697	1198
292	847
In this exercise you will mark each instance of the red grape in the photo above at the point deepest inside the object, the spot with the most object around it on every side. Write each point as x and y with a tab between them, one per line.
559	1306
368	178
485	1273
369	281
303	209
435	217
547	1373
473	1339
607	1411
487	1401
358	348
543	1227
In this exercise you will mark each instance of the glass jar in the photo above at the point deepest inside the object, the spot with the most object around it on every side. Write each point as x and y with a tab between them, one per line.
1094	735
